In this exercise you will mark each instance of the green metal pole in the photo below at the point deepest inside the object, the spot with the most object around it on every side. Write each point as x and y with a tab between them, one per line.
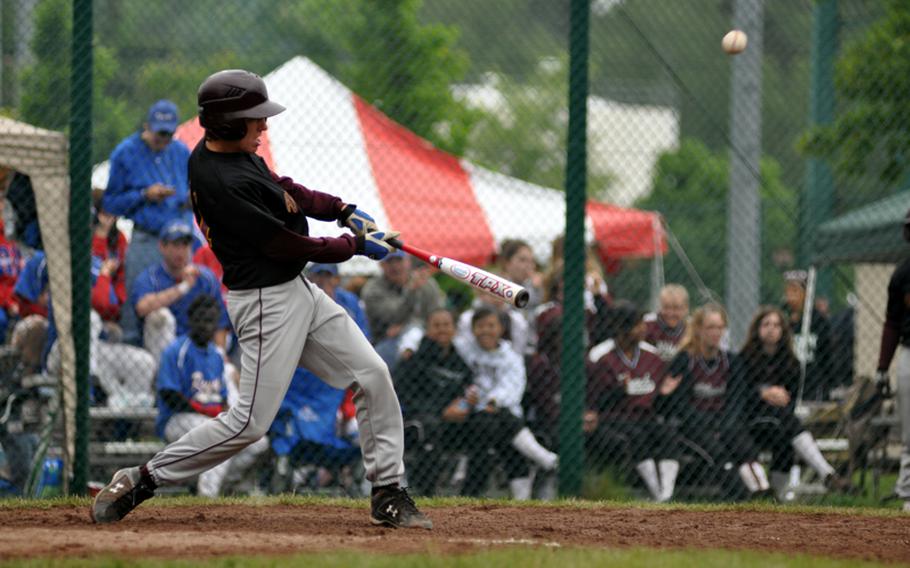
80	166
571	439
818	201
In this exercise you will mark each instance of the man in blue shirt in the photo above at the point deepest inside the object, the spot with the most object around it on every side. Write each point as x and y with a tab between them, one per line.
325	276
148	185
164	291
193	387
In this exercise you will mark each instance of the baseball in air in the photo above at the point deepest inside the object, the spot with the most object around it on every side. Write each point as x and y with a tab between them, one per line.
734	42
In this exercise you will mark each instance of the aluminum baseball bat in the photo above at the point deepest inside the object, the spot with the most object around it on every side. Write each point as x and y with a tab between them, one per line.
482	280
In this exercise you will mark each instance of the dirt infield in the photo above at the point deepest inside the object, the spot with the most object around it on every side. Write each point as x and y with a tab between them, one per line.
199	531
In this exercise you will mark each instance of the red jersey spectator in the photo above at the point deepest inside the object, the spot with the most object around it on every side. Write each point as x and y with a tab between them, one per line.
624	378
108	252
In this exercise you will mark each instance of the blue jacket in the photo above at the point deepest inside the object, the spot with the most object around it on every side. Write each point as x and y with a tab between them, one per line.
195	372
134	167
309	409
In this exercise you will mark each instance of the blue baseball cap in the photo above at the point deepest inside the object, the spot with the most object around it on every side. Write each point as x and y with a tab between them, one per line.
396	253
175	230
162	116
324	267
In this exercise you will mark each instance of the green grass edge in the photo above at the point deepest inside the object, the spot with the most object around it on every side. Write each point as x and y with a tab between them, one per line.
437	502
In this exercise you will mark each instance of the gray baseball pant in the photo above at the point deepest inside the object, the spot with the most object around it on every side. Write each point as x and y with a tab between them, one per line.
280	328
902	487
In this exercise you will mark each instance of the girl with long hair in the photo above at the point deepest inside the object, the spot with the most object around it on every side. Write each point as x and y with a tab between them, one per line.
702	394
769	372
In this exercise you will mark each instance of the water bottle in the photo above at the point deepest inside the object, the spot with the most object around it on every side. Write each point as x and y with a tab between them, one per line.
51	484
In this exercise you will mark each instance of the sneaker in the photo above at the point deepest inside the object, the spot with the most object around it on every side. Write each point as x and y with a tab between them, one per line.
906	507
393	507
123	494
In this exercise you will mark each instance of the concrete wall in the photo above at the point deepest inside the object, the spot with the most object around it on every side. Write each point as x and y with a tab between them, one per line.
872	291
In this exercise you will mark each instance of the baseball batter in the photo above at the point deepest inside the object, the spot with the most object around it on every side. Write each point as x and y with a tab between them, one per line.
256	224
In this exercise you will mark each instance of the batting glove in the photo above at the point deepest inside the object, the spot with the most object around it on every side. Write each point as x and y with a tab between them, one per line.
374	244
357	221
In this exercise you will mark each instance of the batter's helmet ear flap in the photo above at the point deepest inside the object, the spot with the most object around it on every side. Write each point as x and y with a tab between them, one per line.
222	129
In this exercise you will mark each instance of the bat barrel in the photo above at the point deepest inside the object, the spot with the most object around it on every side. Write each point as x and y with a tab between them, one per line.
521	298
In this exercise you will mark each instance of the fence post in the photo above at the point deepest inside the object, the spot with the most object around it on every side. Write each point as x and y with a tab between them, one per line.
80	169
819	197
744	214
571	446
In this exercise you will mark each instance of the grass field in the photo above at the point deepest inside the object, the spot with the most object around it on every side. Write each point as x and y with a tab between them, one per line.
194	519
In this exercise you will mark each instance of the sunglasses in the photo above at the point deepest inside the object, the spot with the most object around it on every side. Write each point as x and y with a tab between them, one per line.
164	134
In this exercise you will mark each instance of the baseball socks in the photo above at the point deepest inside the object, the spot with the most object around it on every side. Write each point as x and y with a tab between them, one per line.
128	488
391	506
527	445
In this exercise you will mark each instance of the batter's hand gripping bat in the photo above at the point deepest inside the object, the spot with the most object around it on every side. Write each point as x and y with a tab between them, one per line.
482	280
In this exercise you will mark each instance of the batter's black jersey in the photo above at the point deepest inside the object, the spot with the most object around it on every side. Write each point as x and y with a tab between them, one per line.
898	311
241	208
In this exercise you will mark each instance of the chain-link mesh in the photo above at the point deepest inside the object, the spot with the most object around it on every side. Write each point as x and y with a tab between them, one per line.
743	221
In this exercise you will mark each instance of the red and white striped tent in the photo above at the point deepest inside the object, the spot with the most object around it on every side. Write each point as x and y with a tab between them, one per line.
331	140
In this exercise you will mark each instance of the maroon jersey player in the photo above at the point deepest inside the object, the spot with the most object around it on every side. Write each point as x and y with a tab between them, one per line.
665	329
624	375
704	396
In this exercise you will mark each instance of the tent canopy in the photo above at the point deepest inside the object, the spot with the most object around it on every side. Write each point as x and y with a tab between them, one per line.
42	155
868	234
332	140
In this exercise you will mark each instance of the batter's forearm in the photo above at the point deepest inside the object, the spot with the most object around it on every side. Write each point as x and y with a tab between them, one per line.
286	245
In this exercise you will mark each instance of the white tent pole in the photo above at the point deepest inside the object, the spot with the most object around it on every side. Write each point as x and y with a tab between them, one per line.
802	343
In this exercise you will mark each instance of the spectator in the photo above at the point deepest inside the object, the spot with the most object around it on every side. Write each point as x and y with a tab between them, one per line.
308	431
517	332
21	197
400	298
428	383
544	378
31	292
665	329
517	261
491	409
109	247
326	277
813	350
11	265
147	184
624	375
769	376
163	292
701	393
193	388
125	372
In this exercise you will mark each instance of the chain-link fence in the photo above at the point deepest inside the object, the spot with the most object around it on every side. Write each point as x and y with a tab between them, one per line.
743	220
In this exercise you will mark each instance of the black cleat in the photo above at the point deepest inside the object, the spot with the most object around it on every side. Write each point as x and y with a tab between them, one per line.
123	494
393	507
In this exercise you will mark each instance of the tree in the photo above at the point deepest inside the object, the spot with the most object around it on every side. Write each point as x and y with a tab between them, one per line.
871	134
525	134
405	69
690	191
46	83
